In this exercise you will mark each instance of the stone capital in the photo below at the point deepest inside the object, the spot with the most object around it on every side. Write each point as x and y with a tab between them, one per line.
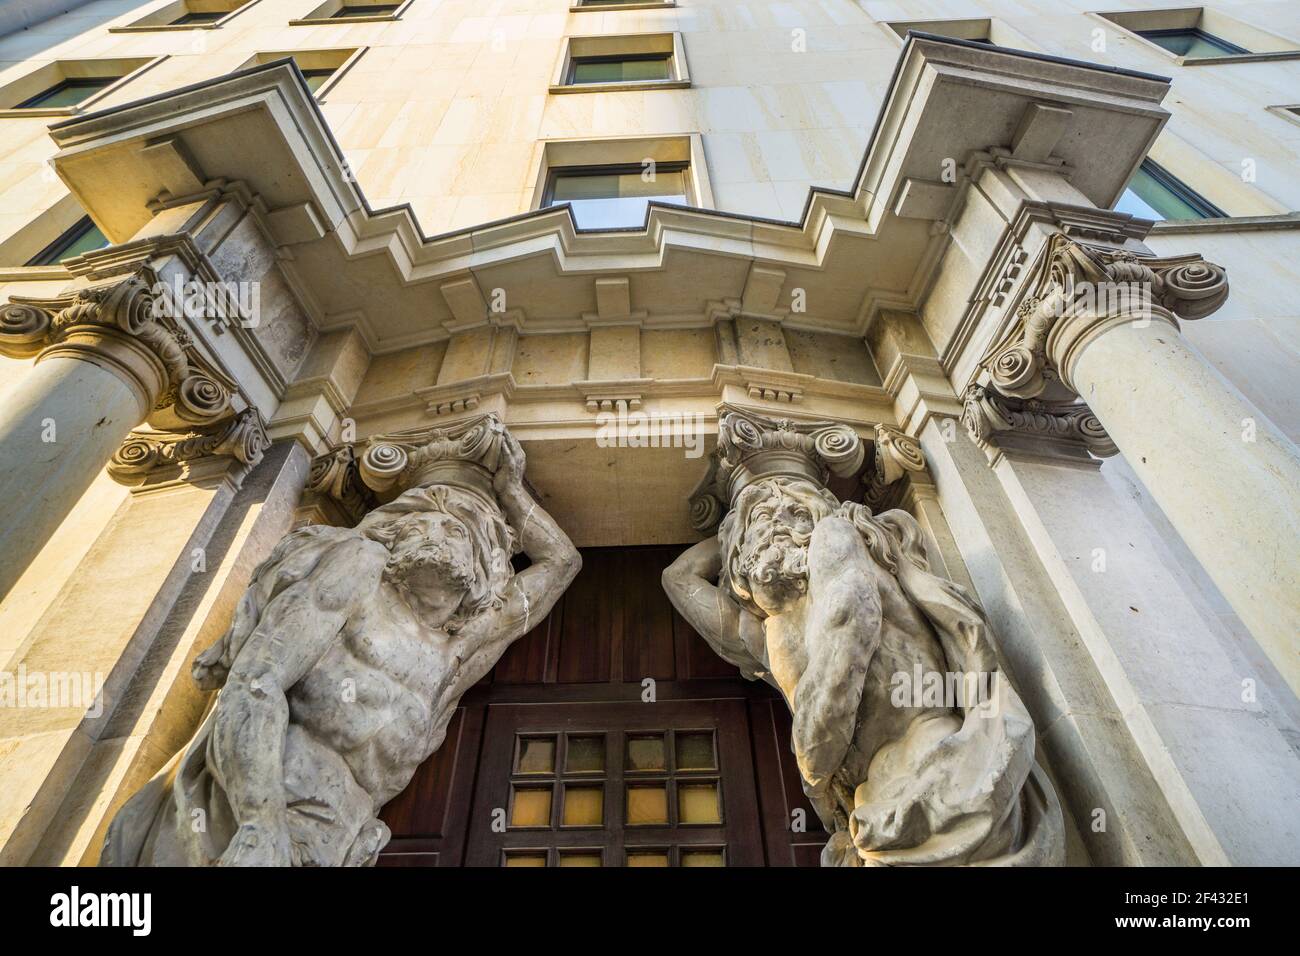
753	447
895	455
1058	430
356	478
149	455
119	326
1079	291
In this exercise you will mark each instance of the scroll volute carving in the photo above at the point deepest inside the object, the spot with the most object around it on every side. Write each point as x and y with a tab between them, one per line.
750	444
1078	290
186	389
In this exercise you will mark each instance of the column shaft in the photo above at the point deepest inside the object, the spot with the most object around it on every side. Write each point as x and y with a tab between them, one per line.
1222	473
57	430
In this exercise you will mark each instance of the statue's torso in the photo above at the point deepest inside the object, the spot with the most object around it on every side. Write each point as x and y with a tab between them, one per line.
884	730
377	696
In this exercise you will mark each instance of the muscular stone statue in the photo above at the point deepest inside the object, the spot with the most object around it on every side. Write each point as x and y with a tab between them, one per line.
837	608
346	658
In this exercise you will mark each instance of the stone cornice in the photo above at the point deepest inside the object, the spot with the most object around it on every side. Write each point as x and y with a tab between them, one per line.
848	247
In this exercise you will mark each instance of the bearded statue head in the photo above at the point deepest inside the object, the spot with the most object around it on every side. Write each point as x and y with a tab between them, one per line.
764	540
450	552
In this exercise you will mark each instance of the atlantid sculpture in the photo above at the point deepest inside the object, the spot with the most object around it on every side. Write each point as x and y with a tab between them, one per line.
912	746
347	656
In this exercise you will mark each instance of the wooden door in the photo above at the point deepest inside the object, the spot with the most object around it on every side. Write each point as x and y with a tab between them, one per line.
616	784
584	673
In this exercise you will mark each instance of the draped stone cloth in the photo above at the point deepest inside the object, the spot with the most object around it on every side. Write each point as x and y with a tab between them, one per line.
974	796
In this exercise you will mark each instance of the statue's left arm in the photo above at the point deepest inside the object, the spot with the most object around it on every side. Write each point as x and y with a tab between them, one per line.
842	632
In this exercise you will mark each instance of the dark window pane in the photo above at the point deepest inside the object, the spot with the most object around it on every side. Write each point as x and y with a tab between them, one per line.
526	859
531	807
647	857
189	19
604	200
702	857
69	92
1191	42
647	805
364	10
645	753
316	78
1153	193
698	803
695	751
84	236
585	755
536	755
580	858
584	806
621	70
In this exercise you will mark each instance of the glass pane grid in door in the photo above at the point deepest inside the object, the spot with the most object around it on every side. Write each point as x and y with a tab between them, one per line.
671	778
557	781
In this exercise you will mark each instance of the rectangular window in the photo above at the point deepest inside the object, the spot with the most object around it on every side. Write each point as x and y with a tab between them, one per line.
68	92
1153	193
83	236
621	68
316	78
609	197
364	10
1191	42
194	19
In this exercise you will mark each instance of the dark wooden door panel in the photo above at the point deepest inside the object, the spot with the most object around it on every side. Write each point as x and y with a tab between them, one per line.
737	832
613	629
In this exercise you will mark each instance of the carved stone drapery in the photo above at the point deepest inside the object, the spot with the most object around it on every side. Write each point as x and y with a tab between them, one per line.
123	325
1078	291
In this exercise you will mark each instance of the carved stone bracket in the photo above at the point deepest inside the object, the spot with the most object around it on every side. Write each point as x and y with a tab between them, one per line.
1078	291
895	455
752	447
149	452
1057	429
120	324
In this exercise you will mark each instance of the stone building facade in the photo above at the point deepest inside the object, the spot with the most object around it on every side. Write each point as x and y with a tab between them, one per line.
1023	275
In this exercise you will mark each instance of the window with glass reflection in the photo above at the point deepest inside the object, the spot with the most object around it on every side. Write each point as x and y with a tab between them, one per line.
611	197
1154	193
